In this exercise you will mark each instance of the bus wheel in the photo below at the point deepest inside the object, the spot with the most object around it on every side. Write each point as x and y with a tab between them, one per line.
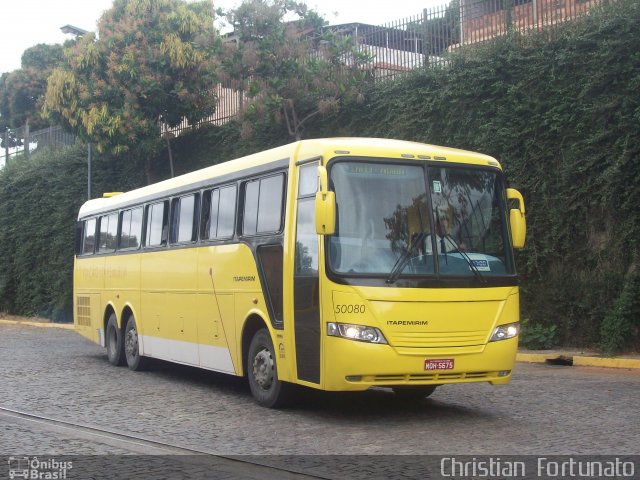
135	361
414	394
266	389
115	346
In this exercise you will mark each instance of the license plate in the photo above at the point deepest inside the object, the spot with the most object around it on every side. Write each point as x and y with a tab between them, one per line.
440	364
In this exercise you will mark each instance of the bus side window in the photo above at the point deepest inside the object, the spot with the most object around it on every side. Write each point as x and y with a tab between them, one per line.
89	237
108	233
270	204
156	221
79	236
183	225
227	212
130	229
205	212
218	213
250	213
263	200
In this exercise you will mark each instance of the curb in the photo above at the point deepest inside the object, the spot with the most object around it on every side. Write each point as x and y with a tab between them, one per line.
578	360
66	326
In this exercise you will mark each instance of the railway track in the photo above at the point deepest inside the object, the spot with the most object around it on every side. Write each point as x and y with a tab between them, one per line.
194	461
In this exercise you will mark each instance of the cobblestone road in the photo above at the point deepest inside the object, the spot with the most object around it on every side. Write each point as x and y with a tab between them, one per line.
545	410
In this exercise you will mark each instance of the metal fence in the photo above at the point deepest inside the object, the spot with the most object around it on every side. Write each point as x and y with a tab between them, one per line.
22	141
483	20
228	105
429	39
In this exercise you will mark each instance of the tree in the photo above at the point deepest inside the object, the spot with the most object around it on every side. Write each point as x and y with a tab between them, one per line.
22	90
153	61
289	71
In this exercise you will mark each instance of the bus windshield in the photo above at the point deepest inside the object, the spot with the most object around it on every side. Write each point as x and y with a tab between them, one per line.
391	218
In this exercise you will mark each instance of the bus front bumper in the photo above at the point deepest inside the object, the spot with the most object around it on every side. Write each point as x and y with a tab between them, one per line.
351	365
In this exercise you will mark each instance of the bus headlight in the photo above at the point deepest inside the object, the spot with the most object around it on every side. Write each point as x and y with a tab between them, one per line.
504	332
361	333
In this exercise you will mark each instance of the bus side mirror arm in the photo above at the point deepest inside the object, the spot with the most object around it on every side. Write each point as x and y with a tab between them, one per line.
325	206
517	219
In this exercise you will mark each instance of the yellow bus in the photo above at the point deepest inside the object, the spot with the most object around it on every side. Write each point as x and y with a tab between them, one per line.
337	264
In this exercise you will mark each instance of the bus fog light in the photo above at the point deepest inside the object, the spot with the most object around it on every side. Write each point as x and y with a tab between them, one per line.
504	373
361	333
504	332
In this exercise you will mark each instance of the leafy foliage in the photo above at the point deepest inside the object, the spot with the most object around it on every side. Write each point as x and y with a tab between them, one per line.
21	90
620	326
153	60
537	337
40	198
289	71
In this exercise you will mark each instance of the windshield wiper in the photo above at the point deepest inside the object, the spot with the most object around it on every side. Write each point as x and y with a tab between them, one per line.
472	265
398	267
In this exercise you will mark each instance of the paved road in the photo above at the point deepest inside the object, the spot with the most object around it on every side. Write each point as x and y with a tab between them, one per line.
545	410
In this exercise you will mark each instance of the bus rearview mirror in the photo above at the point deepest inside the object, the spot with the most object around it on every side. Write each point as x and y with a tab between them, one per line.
325	205
325	213
517	219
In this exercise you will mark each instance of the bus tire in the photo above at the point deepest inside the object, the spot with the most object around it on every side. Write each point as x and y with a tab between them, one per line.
135	361
113	340
262	373
414	393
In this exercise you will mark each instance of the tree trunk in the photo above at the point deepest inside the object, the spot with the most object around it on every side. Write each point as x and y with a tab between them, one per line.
167	137
147	170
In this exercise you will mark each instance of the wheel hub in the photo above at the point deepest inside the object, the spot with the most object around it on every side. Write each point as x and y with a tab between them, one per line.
263	369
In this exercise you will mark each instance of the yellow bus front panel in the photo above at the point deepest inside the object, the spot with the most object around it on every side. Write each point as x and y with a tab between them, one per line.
433	336
357	365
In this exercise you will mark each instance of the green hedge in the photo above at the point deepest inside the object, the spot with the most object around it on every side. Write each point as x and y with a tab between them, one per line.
562	114
40	198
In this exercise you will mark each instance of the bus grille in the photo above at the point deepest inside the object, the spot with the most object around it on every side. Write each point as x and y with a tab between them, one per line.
438	339
427	377
83	313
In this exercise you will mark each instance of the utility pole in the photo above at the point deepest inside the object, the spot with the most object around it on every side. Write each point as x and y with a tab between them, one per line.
26	139
89	171
6	146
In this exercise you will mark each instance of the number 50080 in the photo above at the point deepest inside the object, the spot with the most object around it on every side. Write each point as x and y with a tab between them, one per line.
350	308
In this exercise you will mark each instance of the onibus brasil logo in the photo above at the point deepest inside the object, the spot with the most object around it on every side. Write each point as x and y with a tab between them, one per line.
36	469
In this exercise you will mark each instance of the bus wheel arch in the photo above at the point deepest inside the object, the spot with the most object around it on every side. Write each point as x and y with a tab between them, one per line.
127	311
113	338
259	361
252	325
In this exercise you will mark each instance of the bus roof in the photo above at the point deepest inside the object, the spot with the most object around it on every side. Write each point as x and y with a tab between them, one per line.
280	157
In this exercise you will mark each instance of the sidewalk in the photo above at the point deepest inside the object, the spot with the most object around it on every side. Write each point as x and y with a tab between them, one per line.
35	322
577	358
558	357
